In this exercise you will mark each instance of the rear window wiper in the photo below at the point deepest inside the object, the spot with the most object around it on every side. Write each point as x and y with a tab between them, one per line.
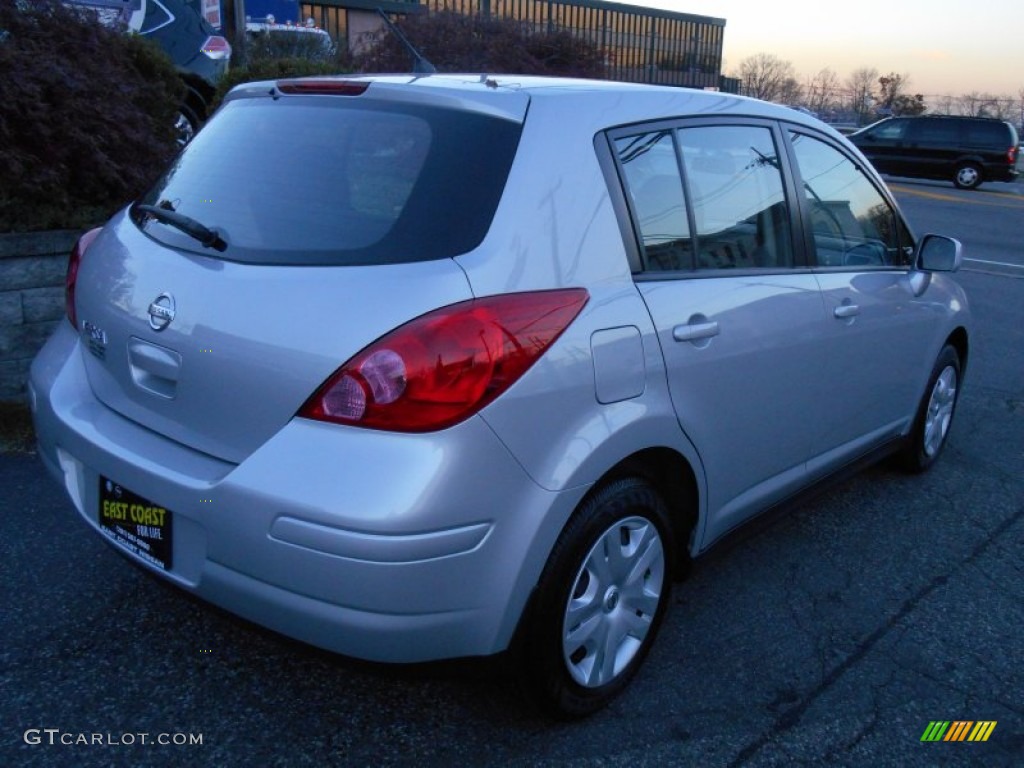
207	237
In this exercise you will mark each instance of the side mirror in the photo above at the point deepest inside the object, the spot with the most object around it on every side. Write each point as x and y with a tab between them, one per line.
938	253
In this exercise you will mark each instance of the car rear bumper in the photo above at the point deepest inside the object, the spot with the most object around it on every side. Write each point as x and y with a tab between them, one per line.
386	547
1002	173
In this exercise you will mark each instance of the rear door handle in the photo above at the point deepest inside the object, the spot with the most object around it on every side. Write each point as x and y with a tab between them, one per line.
846	310
695	331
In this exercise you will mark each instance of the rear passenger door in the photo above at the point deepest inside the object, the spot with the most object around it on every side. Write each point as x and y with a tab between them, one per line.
933	146
738	316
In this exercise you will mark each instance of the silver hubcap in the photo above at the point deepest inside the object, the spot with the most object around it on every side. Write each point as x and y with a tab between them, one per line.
968	176
940	411
613	601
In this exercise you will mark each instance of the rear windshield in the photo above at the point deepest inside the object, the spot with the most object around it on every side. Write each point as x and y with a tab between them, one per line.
337	180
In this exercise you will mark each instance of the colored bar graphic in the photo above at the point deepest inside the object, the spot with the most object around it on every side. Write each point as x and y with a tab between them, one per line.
982	730
935	731
959	730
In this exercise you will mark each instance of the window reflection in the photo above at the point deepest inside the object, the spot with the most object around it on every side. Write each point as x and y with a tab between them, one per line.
852	224
739	208
656	191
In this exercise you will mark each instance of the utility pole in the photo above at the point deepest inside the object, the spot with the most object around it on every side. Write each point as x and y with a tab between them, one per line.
234	23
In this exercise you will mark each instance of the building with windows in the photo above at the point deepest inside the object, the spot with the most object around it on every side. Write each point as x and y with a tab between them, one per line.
643	45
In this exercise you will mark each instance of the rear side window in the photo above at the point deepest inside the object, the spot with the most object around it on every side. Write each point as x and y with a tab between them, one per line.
739	209
338	180
651	167
707	197
988	134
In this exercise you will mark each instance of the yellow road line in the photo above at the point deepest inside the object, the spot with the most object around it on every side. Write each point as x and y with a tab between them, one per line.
1012	201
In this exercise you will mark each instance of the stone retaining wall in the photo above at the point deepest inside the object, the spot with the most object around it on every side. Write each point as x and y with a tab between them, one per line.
32	269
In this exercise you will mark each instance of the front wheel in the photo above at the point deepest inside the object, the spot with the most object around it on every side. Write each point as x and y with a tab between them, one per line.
967	176
600	600
934	415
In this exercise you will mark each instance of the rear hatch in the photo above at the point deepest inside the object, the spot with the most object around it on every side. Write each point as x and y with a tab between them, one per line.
330	212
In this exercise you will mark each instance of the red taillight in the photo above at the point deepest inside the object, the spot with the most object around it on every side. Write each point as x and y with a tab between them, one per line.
445	366
322	87
216	48
1011	155
72	274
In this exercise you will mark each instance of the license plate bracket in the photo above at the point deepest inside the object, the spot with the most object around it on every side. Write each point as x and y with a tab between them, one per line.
136	524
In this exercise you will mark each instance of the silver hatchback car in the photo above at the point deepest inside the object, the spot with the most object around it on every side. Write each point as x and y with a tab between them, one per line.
412	368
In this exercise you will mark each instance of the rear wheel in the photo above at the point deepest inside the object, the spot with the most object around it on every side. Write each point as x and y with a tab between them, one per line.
967	176
934	415
600	600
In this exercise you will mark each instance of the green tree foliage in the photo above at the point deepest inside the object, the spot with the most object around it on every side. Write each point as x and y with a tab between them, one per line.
87	116
466	43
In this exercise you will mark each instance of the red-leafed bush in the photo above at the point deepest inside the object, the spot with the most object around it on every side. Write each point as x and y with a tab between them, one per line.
455	42
86	116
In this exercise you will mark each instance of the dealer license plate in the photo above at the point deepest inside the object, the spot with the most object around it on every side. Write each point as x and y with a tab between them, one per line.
137	524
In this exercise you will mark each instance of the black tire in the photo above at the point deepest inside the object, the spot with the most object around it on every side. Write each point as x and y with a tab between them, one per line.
622	607
934	414
967	176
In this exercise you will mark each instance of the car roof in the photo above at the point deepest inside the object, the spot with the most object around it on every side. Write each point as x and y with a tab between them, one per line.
631	102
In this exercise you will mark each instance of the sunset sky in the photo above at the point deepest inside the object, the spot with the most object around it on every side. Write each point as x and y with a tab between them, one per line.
947	47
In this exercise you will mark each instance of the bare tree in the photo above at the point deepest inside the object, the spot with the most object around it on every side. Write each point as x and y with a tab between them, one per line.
970	104
859	87
765	76
822	91
944	105
976	104
1000	107
1010	108
791	92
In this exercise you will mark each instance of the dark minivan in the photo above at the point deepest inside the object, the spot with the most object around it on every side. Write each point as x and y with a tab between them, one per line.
964	150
